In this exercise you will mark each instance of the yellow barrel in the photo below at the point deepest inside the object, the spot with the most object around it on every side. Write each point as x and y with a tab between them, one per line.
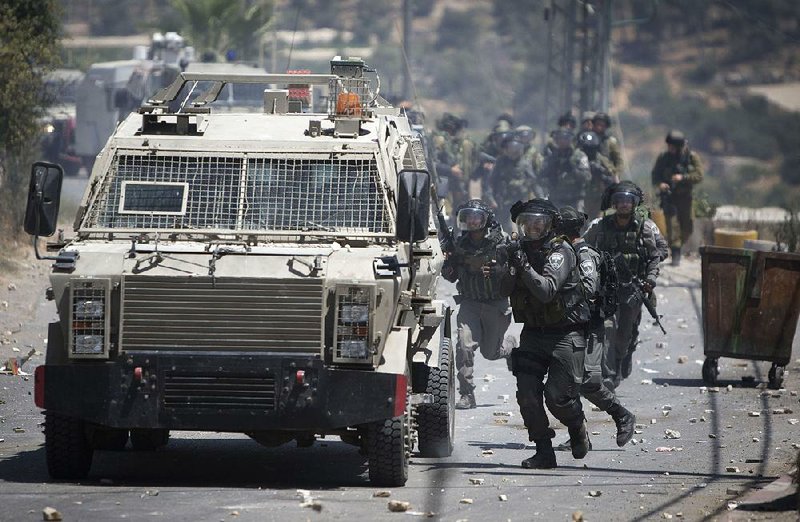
657	215
729	238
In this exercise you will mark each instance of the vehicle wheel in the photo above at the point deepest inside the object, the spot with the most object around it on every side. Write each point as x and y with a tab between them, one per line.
436	421
388	450
69	454
146	439
109	439
775	377
710	371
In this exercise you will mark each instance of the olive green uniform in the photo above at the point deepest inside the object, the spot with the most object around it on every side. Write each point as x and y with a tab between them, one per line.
510	181
484	313
610	148
450	151
678	211
565	175
603	176
548	297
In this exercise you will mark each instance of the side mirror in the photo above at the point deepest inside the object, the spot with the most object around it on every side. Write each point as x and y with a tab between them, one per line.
413	205
44	196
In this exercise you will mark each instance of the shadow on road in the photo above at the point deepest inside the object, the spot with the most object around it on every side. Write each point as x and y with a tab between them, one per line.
211	463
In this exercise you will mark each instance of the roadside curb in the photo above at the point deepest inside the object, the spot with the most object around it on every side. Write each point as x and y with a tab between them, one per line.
777	496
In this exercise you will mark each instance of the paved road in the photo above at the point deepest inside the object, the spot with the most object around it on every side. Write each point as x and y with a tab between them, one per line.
229	477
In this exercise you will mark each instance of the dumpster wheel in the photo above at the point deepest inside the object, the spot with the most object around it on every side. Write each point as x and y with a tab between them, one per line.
775	377
711	371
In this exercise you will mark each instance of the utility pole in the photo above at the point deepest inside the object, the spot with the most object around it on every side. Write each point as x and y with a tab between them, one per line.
407	94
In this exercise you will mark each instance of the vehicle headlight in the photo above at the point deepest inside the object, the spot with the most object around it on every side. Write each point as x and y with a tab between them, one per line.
354	305
88	331
88	344
88	309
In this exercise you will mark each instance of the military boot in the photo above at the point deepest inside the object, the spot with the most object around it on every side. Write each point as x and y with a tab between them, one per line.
544	458
579	440
625	421
466	402
676	256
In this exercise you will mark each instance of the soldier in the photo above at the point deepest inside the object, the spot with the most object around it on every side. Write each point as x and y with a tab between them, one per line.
512	177
484	313
454	157
586	121
531	156
593	388
629	239
547	296
566	122
674	175
609	145
602	171
490	149
565	172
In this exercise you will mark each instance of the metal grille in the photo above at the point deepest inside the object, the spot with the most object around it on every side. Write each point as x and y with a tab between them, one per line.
88	330
349	97
298	194
276	194
415	156
212	200
167	313
189	390
350	327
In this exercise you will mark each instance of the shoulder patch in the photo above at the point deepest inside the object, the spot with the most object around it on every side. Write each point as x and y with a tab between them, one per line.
587	267
556	260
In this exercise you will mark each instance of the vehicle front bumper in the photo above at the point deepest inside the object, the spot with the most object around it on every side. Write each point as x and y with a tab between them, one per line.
219	392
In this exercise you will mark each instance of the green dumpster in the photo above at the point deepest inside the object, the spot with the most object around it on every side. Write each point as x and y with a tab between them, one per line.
751	301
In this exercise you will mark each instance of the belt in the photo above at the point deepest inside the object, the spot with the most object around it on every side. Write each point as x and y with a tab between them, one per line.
577	327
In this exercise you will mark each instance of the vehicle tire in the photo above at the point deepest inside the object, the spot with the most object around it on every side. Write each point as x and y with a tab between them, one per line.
710	371
775	377
69	454
109	439
147	439
388	451
436	421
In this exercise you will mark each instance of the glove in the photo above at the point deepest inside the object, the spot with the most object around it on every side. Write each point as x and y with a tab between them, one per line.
648	286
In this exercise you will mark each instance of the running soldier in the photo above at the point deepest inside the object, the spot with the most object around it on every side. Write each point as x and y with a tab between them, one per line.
454	157
566	172
602	171
547	297
609	145
484	313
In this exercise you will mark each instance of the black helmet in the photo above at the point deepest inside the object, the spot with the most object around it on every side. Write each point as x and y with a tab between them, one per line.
474	215
571	220
604	117
451	123
506	117
536	219
676	137
567	119
623	187
588	140
562	134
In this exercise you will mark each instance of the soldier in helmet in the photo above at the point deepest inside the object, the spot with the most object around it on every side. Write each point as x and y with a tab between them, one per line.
548	298
609	145
591	266
531	156
586	121
454	157
601	168
631	239
491	148
566	122
674	175
513	176
565	172
484	313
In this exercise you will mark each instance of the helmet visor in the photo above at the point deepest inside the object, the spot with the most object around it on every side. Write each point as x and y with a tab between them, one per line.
624	199
523	136
534	225
471	219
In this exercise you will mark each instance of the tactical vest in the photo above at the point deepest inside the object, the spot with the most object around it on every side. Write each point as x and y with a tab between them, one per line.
570	305
471	282
627	242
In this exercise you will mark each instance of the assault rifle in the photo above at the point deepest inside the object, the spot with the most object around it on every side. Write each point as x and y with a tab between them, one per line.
446	239
628	278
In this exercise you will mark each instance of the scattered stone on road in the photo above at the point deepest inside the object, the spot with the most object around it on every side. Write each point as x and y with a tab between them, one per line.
49	513
398	506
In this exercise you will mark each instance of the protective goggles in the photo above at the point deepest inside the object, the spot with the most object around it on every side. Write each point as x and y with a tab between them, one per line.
624	198
471	219
534	225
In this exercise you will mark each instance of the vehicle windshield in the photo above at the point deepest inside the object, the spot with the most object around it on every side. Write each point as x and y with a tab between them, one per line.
265	194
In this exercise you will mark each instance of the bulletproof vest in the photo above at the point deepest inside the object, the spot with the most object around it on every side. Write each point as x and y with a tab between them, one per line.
471	282
570	305
626	241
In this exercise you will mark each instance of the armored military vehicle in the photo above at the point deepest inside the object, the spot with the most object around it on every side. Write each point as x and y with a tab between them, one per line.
267	273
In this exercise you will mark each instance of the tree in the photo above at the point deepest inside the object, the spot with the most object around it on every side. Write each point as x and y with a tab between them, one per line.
29	32
217	26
